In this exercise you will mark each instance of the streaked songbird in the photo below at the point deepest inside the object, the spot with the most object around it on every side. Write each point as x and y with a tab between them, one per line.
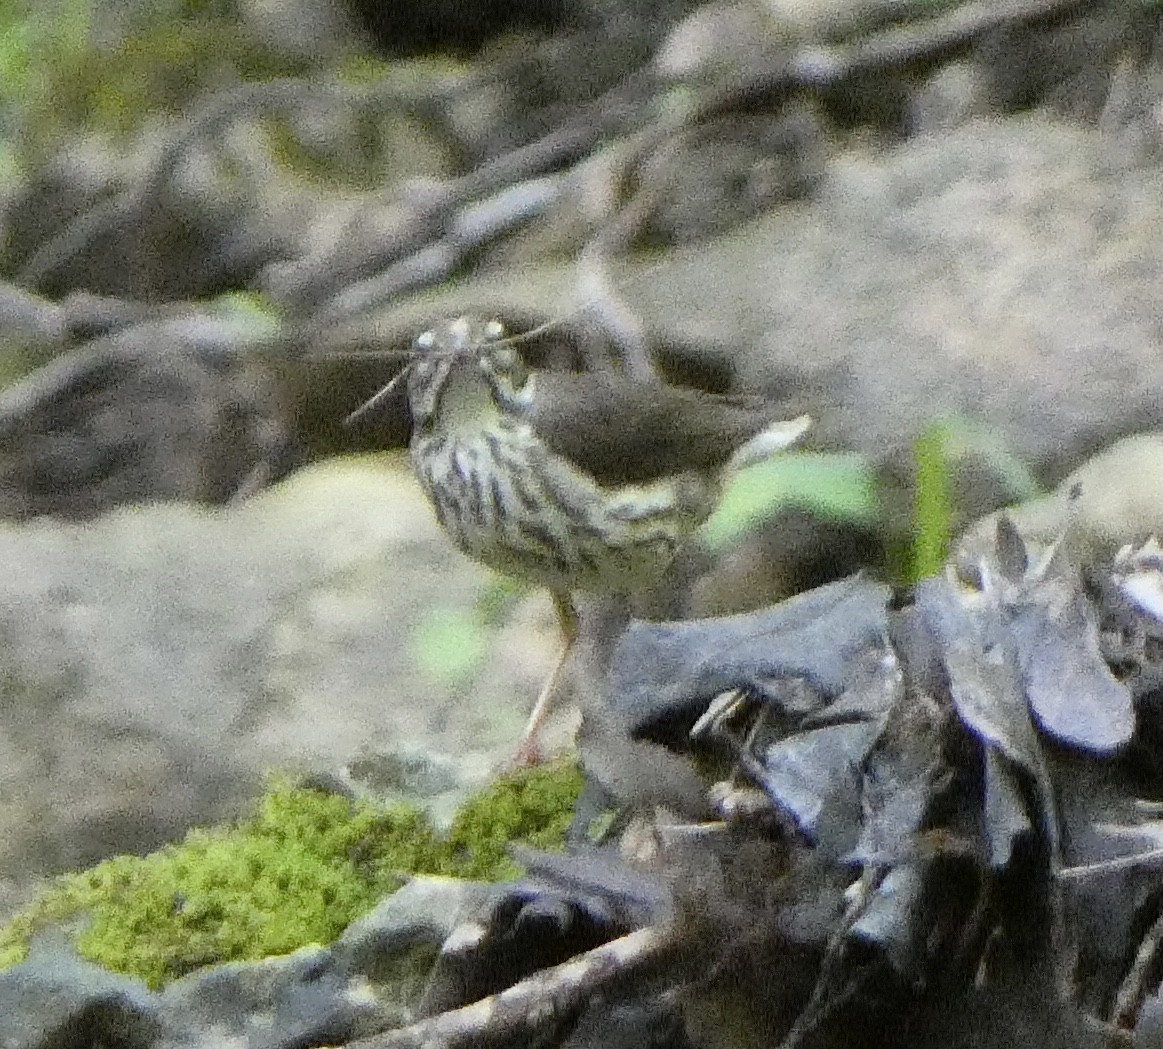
587	481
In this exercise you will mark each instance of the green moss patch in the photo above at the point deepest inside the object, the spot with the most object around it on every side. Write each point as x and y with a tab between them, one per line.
533	806
296	872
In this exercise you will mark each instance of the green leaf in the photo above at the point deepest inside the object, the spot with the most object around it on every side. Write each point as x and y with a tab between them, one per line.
838	487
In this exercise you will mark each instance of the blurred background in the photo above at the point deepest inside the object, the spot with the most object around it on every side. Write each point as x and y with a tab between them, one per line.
934	226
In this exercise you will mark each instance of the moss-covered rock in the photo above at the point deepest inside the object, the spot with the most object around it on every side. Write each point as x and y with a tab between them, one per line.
533	806
296	872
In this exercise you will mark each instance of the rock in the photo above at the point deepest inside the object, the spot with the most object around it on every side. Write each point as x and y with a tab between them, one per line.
369	980
175	407
54	999
1113	499
955	275
295	1000
156	660
423	912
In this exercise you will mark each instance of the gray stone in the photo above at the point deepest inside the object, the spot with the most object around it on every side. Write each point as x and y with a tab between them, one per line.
156	660
425	911
286	1002
54	999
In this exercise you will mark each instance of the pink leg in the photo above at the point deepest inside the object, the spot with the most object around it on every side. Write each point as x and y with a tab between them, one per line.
528	752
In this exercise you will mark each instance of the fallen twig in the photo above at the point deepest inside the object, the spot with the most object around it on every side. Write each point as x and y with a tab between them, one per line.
549	1000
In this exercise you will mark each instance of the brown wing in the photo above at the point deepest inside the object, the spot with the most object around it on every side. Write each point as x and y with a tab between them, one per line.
623	432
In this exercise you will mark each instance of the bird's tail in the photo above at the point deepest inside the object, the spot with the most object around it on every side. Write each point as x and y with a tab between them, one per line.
774	438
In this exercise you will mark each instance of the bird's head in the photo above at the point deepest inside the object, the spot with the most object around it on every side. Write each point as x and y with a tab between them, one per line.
463	371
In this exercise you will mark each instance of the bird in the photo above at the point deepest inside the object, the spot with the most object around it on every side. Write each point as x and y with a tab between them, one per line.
584	481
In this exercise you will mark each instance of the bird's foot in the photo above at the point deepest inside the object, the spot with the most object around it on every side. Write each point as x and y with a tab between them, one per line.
528	754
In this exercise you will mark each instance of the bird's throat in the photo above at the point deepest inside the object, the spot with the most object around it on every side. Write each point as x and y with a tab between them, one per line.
467	404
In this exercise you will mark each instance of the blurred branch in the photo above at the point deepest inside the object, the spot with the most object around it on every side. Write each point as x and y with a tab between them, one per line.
547	1000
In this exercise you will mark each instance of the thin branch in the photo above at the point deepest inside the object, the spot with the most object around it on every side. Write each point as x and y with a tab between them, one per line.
1133	990
546	1000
